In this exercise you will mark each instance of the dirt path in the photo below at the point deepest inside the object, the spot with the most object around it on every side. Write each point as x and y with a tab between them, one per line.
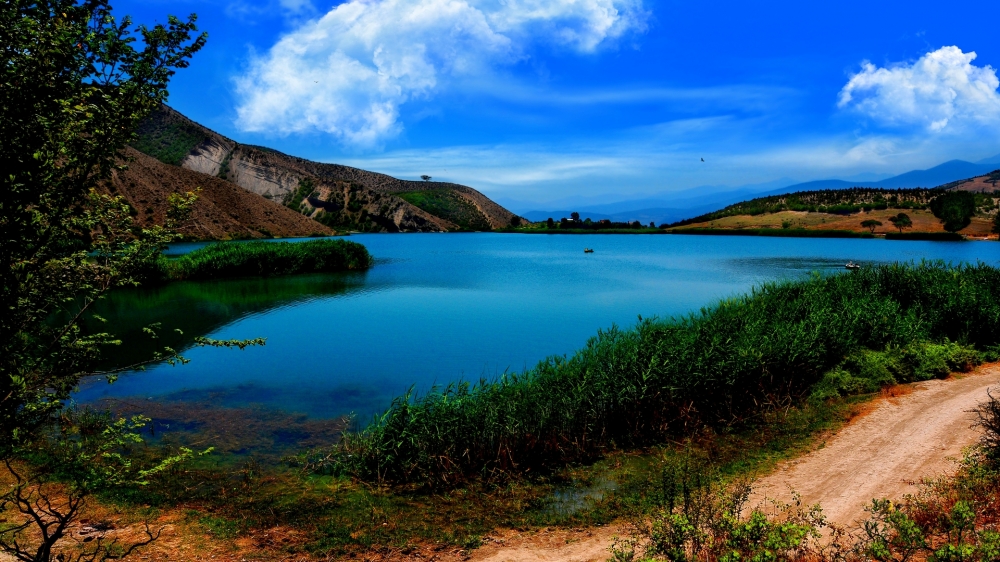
881	454
887	452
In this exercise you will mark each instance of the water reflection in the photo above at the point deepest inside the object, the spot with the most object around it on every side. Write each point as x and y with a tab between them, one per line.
191	309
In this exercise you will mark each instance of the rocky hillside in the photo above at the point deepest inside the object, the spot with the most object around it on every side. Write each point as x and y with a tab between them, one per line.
223	210
334	195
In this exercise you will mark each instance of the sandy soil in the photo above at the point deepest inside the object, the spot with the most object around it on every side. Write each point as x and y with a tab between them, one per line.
887	452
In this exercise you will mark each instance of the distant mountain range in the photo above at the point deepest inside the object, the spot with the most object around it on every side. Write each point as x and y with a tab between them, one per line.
696	201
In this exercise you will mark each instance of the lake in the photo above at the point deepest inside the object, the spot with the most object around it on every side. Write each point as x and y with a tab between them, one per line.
439	308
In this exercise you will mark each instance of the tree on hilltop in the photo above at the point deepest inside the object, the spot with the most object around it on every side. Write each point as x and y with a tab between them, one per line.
425	177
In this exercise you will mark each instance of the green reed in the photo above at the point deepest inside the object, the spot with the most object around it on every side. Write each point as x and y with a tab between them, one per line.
263	259
662	379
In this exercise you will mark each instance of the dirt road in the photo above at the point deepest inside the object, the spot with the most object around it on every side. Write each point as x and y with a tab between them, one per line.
881	454
887	452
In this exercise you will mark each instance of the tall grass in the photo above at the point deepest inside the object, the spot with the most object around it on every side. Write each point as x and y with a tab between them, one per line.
666	378
262	259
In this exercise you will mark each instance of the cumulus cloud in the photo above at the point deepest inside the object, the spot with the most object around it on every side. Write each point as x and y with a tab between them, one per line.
348	72
941	91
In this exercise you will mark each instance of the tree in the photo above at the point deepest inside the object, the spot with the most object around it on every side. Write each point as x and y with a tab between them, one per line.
73	90
901	221
871	224
996	225
425	177
575	216
955	209
74	85
549	223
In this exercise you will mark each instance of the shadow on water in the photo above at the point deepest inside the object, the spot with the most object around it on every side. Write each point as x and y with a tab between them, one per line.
189	309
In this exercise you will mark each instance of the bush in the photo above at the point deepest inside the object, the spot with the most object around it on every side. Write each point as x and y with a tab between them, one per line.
262	259
955	209
716	368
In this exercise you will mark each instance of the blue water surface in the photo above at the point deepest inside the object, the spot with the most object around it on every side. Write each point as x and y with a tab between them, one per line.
439	308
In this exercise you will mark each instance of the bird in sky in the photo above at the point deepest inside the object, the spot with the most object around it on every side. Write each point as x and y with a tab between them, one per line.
702	159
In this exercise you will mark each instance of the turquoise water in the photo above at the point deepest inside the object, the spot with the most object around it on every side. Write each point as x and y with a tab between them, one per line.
438	308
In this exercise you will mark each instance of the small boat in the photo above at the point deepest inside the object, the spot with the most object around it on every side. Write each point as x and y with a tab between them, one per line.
852	265
588	250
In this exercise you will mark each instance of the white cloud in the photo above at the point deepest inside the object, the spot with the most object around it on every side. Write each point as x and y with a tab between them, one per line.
942	91
348	72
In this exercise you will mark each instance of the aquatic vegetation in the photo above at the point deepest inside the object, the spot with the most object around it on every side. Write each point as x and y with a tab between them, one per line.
263	259
717	368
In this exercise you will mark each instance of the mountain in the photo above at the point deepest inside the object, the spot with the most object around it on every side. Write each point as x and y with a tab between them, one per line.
950	171
331	194
223	210
696	201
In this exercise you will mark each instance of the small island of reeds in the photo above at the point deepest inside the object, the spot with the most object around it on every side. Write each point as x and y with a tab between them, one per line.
263	259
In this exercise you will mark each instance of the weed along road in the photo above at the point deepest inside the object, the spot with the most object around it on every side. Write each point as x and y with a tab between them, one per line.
884	452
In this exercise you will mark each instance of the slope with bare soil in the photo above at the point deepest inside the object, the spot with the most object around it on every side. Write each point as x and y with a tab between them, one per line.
222	211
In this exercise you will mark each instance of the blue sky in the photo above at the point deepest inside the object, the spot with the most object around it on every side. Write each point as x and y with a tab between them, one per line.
538	101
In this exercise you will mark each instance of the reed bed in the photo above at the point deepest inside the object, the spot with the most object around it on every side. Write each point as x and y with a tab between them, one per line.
662	379
262	259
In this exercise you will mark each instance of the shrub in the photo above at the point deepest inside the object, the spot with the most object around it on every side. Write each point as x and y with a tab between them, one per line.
955	209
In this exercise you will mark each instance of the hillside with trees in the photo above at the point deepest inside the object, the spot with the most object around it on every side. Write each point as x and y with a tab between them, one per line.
968	207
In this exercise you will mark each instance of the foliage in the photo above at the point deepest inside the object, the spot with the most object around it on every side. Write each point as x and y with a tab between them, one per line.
995	229
868	371
664	378
871	224
168	142
74	87
262	259
835	201
306	188
704	518
450	205
88	451
955	209
901	221
933	236
949	519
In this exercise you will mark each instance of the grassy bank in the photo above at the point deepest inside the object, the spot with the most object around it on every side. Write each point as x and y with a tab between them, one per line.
263	259
587	230
719	368
933	236
784	232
